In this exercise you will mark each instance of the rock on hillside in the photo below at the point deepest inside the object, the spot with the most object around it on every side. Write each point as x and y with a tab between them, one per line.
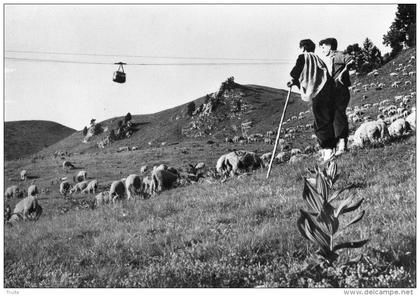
23	138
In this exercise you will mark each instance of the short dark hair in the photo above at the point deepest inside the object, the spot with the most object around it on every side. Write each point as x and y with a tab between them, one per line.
307	45
329	41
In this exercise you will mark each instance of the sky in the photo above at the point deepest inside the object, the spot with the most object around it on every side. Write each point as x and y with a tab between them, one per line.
74	93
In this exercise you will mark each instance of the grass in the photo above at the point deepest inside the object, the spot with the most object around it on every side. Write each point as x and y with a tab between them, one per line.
241	233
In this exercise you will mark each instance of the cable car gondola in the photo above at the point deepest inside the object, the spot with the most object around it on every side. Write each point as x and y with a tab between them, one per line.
119	75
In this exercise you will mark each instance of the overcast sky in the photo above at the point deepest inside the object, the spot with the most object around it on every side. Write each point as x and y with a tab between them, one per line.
73	93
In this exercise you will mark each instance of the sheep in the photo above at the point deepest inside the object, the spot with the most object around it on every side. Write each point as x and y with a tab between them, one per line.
393	74
396	84
370	132
23	175
91	187
384	102
375	105
295	151
200	166
162	179
27	209
381	85
283	156
398	127
398	98
406	100
81	176
412	73
133	185
234	161
356	90
266	157
68	165
411	119
12	192
33	190
64	188
117	190
79	186
365	87
407	83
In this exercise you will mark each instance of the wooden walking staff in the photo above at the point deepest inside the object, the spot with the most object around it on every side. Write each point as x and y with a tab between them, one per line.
278	132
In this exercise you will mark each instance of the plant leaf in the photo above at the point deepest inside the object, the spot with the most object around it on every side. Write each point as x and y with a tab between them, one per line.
311	197
352	245
313	231
342	206
332	170
353	207
335	194
321	186
356	219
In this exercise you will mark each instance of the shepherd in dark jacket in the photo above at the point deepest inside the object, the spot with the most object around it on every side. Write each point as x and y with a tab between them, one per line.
310	75
337	64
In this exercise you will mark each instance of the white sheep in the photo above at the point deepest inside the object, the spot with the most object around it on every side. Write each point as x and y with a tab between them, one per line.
79	187
398	127
81	176
295	151
12	191
411	119
91	187
117	190
64	188
33	190
133	185
23	175
370	132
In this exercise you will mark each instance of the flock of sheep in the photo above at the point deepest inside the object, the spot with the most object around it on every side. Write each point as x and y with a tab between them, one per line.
395	119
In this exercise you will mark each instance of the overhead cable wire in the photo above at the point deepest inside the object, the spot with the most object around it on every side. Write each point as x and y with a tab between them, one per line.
145	64
141	56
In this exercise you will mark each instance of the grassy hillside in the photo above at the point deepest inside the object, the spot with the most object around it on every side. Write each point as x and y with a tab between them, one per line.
241	233
23	138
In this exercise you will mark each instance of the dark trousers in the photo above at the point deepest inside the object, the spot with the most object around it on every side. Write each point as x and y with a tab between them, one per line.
341	101
324	110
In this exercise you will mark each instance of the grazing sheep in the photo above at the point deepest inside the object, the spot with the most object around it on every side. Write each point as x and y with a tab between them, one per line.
396	84
117	190
23	175
234	161
133	185
33	190
393	74
12	191
381	85
91	187
407	83
79	187
81	176
162	179
411	119
283	156
308	150
412	73
398	127
266	157
356	90
295	151
27	209
370	132
295	159
64	188
68	165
